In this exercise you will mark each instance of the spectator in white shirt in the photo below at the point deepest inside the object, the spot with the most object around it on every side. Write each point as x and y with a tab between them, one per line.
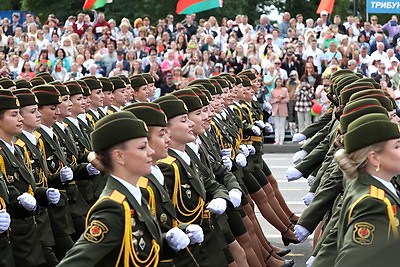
316	53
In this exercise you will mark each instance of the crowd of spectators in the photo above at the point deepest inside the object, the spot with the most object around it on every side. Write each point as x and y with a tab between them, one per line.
297	55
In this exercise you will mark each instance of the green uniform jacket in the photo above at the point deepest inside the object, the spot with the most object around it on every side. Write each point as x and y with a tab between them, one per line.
315	127
6	256
364	224
101	242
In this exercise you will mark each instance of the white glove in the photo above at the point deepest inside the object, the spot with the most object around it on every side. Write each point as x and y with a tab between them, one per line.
298	137
301	233
227	152
299	156
53	195
217	205
268	128
92	170
310	261
308	198
293	174
27	201
241	160
177	239
5	221
235	195
66	174
195	233
227	162
267	106
251	149
310	180
260	124
244	150
256	130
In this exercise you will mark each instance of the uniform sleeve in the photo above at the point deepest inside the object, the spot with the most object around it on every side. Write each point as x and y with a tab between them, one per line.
103	235
366	231
224	177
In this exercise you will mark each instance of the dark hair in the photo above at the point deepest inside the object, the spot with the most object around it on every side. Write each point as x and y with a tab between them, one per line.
105	156
63	51
23	66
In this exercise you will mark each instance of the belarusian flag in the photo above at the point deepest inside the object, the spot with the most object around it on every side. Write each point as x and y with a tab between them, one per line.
196	6
95	4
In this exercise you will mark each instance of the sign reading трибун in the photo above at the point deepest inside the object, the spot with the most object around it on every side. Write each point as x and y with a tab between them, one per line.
386	7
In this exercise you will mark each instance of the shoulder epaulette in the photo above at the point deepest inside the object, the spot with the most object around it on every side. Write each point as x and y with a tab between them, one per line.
37	134
117	196
168	160
376	192
89	116
143	182
20	143
65	124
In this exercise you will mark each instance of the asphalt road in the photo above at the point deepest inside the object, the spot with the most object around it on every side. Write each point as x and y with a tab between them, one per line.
293	193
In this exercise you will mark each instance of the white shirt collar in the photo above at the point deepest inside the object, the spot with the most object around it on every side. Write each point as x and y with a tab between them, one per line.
9	146
83	118
61	125
96	113
387	184
74	121
104	109
133	189
155	170
31	137
48	130
116	108
195	148
224	114
183	155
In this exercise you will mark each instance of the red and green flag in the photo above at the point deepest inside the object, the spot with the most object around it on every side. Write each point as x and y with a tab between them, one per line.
95	4
196	6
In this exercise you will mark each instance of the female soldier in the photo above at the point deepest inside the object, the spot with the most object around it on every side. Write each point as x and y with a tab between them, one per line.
140	88
119	228
120	94
369	160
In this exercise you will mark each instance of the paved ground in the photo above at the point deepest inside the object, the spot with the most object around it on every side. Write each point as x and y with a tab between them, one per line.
293	193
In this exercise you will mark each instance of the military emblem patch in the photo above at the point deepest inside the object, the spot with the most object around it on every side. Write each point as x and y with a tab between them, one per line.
163	218
96	232
363	233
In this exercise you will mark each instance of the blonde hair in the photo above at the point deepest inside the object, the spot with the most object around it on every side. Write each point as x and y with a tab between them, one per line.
354	163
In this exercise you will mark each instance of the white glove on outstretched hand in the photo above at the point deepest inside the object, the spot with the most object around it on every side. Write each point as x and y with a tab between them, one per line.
227	162
308	198
235	195
177	239
241	160
256	130
298	137
268	128
66	174
92	170
299	156
53	195
267	106
301	233
244	150
27	201
227	152
195	233
251	149
293	174
310	261
217	205
260	124
5	221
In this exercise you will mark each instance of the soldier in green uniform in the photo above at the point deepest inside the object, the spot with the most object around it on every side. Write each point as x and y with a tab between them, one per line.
120	230
120	94
6	256
107	87
140	88
96	101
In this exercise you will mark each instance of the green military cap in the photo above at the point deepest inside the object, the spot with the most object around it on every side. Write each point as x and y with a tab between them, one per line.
368	130
374	93
206	83
118	83
7	83
228	76
74	88
238	80
245	81
35	81
8	100
125	79
46	76
190	98
224	83
107	85
165	97
149	78
127	125
217	86
60	87
25	97
343	82
94	84
137	81
85	87
22	83
358	108
208	94
249	74
341	72
352	88
200	86
150	113
201	95
391	99
47	94
89	77
173	108
335	80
